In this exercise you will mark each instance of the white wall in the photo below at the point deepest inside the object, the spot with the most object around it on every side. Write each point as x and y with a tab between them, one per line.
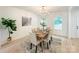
17	14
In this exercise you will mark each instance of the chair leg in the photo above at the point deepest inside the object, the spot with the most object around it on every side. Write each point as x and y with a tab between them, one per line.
40	44
36	50
31	46
47	45
43	42
51	38
49	42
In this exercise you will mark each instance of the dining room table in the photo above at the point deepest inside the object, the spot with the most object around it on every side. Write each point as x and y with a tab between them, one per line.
41	36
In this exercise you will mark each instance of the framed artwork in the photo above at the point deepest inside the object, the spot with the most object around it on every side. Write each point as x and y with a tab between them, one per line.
26	21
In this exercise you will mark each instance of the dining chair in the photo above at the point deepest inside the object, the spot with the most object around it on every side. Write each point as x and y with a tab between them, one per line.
24	47
33	40
48	39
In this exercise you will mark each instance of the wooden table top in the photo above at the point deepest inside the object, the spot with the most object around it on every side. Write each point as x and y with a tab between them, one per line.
41	35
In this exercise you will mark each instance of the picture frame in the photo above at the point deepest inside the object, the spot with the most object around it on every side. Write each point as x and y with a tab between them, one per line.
26	21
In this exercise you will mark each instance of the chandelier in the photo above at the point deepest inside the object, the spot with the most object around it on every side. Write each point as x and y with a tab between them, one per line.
43	15
44	11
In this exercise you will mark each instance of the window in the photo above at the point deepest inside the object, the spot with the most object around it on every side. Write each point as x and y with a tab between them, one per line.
58	23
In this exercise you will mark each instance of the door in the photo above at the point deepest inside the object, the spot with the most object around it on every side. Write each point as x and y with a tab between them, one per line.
75	24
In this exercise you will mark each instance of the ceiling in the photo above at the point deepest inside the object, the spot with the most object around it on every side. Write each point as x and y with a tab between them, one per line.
38	9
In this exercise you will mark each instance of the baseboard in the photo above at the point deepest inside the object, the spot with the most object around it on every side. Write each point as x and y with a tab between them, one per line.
61	35
74	38
4	44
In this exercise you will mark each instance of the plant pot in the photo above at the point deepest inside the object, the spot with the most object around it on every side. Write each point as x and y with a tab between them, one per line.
9	39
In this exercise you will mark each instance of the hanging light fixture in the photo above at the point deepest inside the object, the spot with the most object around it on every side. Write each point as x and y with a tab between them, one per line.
44	13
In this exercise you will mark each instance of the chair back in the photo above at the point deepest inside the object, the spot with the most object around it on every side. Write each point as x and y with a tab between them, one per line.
48	36
33	38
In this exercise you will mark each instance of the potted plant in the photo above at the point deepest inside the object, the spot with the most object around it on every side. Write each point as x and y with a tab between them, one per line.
10	25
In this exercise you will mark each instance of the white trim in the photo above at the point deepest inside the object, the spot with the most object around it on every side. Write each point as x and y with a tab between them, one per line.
69	22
